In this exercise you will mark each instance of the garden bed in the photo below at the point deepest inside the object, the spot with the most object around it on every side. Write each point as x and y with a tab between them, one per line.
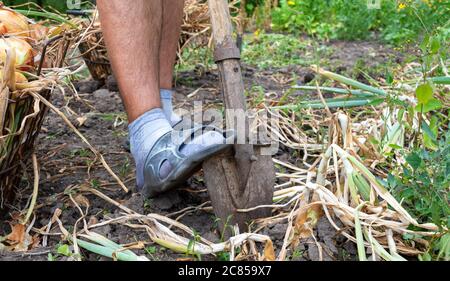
67	164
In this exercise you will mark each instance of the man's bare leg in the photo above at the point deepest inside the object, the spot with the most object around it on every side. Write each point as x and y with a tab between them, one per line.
170	35
132	32
171	30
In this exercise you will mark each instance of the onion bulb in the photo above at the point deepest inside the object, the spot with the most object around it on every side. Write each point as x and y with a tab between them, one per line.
19	77
13	23
24	52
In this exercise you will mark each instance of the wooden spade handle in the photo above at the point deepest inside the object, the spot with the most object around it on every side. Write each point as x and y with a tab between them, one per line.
231	80
245	179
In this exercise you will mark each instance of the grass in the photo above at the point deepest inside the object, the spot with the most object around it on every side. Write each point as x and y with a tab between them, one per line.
80	153
125	168
151	251
194	56
95	183
297	254
264	51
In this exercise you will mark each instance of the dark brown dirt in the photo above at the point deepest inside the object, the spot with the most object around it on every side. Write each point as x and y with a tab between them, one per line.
65	161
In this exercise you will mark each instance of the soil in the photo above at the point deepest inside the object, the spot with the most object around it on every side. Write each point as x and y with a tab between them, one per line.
66	162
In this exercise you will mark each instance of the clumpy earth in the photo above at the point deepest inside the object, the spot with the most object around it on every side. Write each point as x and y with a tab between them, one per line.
97	111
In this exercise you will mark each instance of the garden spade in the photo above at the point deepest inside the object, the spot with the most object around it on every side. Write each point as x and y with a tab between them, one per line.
243	179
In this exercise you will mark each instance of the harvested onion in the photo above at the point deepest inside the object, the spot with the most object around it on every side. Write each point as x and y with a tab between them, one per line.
24	52
19	77
13	23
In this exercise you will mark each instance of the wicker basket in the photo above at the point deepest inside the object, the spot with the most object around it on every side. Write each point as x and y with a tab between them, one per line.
93	51
22	123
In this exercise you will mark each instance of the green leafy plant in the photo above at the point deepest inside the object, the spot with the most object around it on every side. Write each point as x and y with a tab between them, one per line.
50	257
151	251
404	20
395	22
64	250
191	246
424	183
223	256
312	17
440	249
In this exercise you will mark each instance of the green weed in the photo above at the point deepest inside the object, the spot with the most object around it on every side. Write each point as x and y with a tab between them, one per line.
395	22
424	183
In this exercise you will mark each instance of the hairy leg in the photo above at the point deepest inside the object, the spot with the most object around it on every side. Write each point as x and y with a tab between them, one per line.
132	33
171	30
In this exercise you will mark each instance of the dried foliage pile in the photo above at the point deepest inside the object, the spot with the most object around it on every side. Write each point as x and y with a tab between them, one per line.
340	179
